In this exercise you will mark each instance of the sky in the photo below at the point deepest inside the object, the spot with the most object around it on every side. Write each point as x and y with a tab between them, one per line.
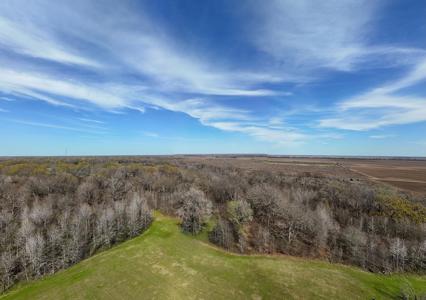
306	77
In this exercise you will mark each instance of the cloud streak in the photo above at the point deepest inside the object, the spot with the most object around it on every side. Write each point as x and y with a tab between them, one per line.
35	84
28	40
384	105
381	136
55	126
307	35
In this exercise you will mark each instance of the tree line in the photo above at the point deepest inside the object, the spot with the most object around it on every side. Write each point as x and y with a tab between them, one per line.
71	209
50	223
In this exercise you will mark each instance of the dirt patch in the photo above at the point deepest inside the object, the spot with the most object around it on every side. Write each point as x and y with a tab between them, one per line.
404	174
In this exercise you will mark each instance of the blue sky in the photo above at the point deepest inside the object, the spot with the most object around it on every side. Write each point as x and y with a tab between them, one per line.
165	77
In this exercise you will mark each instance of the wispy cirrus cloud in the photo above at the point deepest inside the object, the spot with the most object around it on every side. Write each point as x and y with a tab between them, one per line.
155	135
381	136
183	72
263	133
383	106
7	99
34	42
112	58
91	121
55	126
307	36
126	46
206	111
234	120
35	84
150	134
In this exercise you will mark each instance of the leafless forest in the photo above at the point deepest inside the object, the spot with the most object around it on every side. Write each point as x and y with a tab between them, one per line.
58	211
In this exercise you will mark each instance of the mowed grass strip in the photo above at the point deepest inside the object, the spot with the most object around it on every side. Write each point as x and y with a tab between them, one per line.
164	263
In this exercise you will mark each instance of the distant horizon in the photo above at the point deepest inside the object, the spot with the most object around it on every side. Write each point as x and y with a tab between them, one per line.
127	77
227	154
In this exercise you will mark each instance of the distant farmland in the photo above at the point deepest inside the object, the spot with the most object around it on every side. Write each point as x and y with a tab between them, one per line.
407	174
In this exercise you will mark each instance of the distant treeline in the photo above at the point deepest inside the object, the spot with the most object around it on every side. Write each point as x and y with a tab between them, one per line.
56	212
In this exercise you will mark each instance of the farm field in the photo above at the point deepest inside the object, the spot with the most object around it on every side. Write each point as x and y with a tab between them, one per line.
164	263
409	175
404	174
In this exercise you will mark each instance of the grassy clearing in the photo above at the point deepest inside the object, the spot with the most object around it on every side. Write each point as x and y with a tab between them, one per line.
163	263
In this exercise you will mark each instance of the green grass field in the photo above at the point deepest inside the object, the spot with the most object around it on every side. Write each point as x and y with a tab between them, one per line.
163	263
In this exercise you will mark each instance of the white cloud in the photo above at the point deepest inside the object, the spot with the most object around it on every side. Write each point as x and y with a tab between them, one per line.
359	122
55	126
232	120
34	84
7	99
276	121
3	110
381	136
382	106
171	138
133	44
26	39
208	113
91	121
150	134
31	94
307	35
179	71
204	111
121	45
280	137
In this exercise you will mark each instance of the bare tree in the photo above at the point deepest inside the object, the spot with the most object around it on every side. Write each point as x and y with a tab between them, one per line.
262	239
138	214
104	227
120	232
399	252
355	244
222	234
84	214
117	184
54	241
41	212
64	223
7	261
324	225
34	246
194	210
88	191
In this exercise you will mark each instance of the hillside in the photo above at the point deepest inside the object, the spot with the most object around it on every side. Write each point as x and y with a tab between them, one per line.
164	263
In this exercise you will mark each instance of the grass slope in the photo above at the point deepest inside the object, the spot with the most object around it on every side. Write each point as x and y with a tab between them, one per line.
163	263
